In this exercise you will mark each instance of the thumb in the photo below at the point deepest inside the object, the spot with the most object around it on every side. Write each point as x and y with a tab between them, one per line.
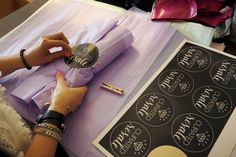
60	79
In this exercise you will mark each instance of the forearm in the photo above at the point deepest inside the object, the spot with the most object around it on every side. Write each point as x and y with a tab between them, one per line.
9	64
41	146
47	133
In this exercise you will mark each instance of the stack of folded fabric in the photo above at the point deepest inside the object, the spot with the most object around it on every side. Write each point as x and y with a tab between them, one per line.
110	39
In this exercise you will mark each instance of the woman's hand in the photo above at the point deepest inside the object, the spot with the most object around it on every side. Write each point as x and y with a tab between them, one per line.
66	99
41	55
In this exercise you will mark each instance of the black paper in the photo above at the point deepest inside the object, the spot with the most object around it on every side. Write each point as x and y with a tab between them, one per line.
186	106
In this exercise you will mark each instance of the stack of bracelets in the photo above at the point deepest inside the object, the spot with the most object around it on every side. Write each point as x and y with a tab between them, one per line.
50	124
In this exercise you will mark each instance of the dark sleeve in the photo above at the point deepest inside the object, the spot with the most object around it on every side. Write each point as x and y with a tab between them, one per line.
2	154
60	151
145	5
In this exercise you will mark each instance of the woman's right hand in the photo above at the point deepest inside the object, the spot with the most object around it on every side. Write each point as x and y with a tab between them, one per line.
41	55
66	99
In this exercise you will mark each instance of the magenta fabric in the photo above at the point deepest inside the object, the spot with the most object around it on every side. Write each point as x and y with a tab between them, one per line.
111	42
209	7
174	9
207	12
214	20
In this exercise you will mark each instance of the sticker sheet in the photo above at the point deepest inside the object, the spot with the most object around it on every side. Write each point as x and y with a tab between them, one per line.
181	110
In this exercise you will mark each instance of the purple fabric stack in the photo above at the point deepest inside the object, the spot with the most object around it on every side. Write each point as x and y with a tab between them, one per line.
110	39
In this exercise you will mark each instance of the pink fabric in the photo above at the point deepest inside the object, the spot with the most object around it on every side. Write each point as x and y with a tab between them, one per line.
214	19
174	9
209	7
207	12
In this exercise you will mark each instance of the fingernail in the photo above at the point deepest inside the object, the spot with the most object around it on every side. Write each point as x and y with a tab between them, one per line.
67	54
58	73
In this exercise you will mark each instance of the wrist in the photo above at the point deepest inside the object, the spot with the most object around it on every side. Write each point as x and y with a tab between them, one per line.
25	60
52	117
58	109
49	130
29	59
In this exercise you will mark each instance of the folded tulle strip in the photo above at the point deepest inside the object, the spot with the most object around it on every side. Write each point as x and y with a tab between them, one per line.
110	47
45	74
93	32
36	82
78	76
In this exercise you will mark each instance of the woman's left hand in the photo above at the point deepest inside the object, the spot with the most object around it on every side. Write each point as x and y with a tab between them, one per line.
65	99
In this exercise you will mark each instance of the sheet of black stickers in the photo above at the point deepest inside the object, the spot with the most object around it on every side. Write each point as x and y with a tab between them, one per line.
185	105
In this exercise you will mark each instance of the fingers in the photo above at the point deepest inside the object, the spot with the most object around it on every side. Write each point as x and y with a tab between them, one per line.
60	79
57	36
57	40
50	43
57	55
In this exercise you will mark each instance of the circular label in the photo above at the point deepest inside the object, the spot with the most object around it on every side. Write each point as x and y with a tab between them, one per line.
83	56
192	132
175	82
154	109
130	139
167	151
223	73
194	59
212	101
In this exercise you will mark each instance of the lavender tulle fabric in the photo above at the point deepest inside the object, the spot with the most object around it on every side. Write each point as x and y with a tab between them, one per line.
110	39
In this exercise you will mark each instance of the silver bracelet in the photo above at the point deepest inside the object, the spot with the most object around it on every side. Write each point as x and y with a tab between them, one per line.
50	127
49	130
46	132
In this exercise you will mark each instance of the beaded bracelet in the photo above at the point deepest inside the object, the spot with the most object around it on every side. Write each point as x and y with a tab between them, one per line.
23	60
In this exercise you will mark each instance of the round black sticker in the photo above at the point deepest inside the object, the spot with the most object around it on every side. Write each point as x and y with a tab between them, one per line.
192	132
154	109
175	82
223	73
84	55
130	139
194	59
212	101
